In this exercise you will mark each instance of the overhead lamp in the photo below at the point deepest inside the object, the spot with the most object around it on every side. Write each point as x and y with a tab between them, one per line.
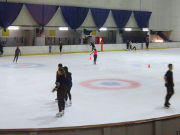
63	28
128	29
13	28
145	29
103	29
158	41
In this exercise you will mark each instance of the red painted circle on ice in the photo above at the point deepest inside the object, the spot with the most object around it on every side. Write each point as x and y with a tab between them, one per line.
89	84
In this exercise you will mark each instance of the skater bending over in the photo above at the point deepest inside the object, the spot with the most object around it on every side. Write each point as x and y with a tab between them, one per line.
93	46
131	46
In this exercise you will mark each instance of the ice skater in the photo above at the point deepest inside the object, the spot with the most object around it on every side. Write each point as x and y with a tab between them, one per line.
60	66
131	47
69	86
95	55
127	45
147	42
93	46
17	53
1	49
60	46
61	91
169	85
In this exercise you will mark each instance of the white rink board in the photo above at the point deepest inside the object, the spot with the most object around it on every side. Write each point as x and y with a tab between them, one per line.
80	48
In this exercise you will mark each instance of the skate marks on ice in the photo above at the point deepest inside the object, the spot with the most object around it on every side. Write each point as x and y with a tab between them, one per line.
22	65
45	120
51	107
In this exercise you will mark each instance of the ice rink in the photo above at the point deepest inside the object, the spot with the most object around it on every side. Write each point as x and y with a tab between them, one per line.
119	88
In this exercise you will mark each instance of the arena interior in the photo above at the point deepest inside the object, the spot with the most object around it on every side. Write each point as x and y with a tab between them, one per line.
120	71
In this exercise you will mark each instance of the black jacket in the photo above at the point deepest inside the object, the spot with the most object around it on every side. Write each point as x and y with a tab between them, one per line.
169	77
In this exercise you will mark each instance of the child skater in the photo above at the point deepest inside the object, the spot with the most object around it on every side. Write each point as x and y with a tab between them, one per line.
95	55
17	53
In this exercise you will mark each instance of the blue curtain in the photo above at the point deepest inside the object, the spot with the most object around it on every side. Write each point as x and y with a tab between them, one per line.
8	13
142	18
121	17
99	16
74	16
42	14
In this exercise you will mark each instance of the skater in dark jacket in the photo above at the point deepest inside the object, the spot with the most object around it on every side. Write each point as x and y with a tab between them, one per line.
61	91
93	46
127	44
147	42
68	85
1	48
17	53
60	46
60	66
169	85
95	55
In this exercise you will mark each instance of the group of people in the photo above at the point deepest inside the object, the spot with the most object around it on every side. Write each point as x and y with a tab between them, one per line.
63	88
64	79
130	47
60	47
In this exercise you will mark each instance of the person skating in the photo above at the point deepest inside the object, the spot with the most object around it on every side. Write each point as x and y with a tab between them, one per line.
61	91
130	45
127	44
60	46
69	85
93	46
147	42
1	49
60	66
169	85
17	53
95	55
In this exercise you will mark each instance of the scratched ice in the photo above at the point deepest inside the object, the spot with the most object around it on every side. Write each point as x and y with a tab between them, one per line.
26	100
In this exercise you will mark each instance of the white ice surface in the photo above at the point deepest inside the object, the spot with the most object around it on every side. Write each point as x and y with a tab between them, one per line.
26	100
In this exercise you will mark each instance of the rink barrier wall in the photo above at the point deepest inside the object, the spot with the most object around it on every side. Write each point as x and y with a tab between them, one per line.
44	50
169	125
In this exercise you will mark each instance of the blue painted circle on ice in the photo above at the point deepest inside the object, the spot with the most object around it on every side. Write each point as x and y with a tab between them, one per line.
23	65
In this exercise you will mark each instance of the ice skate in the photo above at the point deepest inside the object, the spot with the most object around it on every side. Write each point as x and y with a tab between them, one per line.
166	106
70	102
66	104
60	114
